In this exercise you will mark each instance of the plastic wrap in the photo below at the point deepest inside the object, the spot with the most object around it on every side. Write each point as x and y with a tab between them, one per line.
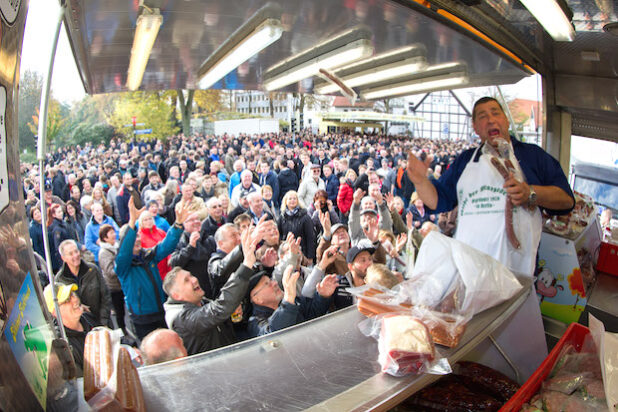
575	382
405	345
111	381
452	277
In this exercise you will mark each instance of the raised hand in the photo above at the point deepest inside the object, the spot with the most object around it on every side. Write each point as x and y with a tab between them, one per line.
325	221
390	198
401	241
327	286
328	257
409	220
183	213
289	284
195	236
248	245
358	196
134	212
371	230
417	169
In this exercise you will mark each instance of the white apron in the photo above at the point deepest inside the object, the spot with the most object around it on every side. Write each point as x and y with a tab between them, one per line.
480	224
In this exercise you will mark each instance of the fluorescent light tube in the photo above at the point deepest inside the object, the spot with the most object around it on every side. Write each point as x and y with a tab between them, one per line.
440	77
349	46
552	17
353	51
146	31
263	36
396	63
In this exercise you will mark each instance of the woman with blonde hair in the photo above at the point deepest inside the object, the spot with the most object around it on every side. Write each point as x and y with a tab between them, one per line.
98	196
151	236
294	219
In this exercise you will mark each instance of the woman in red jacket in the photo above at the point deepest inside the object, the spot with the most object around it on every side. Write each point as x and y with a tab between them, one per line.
152	236
346	195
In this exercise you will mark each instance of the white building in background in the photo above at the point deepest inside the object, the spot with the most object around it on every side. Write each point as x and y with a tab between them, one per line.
257	103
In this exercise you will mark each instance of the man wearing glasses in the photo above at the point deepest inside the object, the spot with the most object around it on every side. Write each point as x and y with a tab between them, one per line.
310	185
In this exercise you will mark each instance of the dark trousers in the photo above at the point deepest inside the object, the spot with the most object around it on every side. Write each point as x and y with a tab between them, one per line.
143	329
118	304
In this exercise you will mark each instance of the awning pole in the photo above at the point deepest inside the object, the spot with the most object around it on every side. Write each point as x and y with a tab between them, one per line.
41	152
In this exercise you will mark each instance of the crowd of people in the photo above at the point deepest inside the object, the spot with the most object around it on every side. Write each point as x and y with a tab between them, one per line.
224	238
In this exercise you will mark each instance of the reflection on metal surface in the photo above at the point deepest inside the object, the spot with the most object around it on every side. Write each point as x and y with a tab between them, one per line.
324	364
385	66
347	47
101	33
440	77
146	31
259	32
554	16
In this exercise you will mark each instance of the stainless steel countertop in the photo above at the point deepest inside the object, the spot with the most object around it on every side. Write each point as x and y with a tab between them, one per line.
323	365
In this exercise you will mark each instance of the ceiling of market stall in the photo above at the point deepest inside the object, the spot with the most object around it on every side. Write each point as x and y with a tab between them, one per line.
496	42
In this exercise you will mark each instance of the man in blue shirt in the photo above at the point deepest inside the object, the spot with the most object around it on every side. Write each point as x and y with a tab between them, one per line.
499	188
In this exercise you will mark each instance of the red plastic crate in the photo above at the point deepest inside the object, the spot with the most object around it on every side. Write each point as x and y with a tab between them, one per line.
574	335
608	259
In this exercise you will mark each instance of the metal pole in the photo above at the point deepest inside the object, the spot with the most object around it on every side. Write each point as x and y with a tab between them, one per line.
41	151
508	113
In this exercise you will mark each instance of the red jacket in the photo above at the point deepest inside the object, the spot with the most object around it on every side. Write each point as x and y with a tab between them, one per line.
345	197
150	238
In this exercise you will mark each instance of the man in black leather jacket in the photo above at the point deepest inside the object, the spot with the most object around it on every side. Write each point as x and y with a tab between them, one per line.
205	324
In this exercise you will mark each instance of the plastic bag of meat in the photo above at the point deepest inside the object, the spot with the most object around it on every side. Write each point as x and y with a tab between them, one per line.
446	329
452	277
111	381
405	345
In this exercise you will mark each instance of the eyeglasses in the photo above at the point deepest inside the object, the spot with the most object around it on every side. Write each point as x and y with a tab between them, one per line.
255	292
216	206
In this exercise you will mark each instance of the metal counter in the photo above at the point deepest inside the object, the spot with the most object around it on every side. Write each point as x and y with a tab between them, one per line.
322	365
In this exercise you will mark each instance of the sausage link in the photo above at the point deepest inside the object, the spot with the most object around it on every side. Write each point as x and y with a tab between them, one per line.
508	223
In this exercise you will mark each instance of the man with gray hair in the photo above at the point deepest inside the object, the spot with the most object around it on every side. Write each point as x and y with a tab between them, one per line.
162	345
92	289
246	185
374	202
214	220
205	324
256	207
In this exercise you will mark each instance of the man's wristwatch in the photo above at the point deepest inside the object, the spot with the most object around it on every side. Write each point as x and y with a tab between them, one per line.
532	201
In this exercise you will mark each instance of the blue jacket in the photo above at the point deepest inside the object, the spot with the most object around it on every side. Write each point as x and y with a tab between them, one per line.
92	234
234	181
271	180
265	320
140	287
332	188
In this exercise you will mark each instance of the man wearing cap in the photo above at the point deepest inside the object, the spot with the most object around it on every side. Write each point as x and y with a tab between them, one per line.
359	258
274	309
246	185
205	324
50	198
243	206
363	203
77	323
138	273
310	184
93	291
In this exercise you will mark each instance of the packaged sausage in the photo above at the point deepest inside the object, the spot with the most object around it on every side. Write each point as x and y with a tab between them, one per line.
405	345
111	381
